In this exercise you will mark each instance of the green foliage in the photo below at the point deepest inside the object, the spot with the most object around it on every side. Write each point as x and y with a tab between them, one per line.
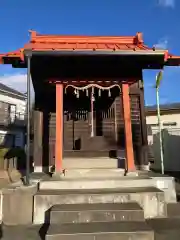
158	79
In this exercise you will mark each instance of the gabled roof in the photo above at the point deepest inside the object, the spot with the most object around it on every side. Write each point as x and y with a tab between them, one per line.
165	109
108	44
8	90
56	42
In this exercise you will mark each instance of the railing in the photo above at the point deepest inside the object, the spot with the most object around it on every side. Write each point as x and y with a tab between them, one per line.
17	118
83	114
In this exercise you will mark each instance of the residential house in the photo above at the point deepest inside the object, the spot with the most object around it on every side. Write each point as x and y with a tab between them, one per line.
170	125
12	117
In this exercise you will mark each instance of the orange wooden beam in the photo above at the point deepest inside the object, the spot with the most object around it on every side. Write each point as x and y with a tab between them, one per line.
59	128
128	128
102	81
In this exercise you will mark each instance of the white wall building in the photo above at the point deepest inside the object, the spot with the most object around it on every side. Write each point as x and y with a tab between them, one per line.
12	117
170	124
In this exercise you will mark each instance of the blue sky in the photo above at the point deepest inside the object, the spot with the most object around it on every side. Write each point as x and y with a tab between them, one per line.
157	19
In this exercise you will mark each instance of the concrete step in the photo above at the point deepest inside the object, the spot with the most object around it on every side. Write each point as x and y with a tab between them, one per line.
102	212
151	199
95	160
173	210
96	183
92	156
94	173
101	231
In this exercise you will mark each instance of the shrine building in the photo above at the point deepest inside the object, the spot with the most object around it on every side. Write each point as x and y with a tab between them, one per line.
89	99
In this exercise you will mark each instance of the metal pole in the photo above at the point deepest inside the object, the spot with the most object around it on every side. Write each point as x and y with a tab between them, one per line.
115	123
28	121
160	133
92	112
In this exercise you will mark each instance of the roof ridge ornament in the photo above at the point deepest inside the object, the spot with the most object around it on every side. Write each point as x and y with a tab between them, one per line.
33	34
139	37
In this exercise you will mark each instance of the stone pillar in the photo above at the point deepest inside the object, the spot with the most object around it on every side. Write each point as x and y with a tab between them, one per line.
59	128
130	165
38	135
144	148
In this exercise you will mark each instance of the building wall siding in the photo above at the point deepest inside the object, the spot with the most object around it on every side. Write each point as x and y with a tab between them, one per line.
20	104
16	131
171	141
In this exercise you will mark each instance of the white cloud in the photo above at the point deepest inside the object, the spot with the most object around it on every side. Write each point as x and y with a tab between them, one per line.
16	81
162	43
166	3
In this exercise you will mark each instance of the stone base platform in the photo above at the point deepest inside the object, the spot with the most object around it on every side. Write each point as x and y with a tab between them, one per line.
152	200
88	207
110	178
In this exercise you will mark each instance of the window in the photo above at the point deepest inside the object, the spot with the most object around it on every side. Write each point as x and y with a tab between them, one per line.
12	112
170	124
164	124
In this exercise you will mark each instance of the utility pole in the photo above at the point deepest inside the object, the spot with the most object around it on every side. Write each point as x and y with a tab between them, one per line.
28	56
158	80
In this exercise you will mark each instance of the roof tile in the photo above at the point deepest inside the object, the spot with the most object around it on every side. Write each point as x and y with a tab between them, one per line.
57	42
92	43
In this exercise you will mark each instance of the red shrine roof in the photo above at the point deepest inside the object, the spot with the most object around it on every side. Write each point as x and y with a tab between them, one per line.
56	42
108	44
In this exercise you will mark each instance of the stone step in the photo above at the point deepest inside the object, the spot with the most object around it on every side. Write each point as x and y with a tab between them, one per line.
101	231
173	210
93	173
81	155
102	212
151	199
93	160
85	153
96	183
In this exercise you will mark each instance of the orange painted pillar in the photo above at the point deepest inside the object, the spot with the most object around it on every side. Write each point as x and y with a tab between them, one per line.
59	128
128	129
